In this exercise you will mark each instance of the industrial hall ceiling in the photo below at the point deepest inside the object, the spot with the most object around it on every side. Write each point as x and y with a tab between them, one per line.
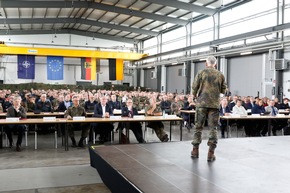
127	21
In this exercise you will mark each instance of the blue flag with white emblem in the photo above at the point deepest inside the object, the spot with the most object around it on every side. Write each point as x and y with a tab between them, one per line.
26	67
54	68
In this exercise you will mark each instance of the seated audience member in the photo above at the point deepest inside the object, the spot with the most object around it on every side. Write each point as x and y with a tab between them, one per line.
103	110
238	109
261	125
277	103
90	104
72	111
248	103
1	108
224	110
277	124
165	105
136	127
233	102
31	103
114	103
7	103
189	105
43	105
265	101
285	104
16	110
2	98
154	110
175	107
58	104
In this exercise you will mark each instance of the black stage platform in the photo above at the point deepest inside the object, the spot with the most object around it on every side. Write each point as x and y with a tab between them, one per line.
243	165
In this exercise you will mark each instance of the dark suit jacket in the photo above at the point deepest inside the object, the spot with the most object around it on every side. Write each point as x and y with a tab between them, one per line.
258	109
11	112
43	106
98	112
127	113
249	106
231	105
115	105
227	110
62	107
90	107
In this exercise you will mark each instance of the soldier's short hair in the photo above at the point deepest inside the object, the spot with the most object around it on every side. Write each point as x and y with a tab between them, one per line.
75	97
211	60
17	97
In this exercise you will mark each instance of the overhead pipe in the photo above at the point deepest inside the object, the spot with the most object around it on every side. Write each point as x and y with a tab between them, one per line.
219	53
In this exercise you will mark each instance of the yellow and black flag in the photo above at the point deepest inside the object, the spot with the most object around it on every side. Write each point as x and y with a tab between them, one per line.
89	68
116	69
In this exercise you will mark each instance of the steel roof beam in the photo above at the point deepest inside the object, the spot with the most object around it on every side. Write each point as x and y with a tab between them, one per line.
67	31
73	20
184	6
94	5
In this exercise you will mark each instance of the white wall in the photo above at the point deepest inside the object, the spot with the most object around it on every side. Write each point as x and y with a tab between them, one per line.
72	69
286	76
72	72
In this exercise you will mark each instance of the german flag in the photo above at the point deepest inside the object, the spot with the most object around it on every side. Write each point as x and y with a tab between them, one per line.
88	68
116	69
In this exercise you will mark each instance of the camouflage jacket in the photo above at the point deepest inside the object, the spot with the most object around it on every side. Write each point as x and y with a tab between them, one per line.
75	111
207	87
156	110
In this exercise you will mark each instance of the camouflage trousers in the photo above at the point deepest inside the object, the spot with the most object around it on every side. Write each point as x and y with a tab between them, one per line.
84	127
212	116
158	127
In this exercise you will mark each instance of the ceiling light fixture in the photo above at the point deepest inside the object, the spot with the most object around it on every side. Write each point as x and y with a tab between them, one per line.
246	53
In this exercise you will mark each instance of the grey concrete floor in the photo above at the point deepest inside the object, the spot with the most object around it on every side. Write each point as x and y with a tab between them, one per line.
54	170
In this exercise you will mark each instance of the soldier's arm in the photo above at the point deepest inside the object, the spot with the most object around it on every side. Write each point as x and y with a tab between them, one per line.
195	85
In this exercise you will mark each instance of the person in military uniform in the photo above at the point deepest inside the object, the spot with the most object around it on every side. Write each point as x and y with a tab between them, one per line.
154	109
77	110
207	87
143	101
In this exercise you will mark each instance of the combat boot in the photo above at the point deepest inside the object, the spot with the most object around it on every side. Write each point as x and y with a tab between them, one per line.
74	143
195	152
210	155
81	142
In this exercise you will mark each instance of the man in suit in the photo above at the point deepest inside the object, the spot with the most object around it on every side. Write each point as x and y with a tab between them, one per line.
277	124
224	111
44	104
114	103
64	104
103	110
136	127
90	104
16	110
233	102
77	110
166	105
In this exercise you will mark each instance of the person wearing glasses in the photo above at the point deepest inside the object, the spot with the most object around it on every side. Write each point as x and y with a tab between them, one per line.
16	110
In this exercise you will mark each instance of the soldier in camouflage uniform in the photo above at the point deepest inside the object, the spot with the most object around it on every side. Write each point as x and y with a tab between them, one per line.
143	101
77	110
207	86
155	110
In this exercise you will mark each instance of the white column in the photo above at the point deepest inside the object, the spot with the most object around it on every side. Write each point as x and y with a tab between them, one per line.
224	67
142	78
163	79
